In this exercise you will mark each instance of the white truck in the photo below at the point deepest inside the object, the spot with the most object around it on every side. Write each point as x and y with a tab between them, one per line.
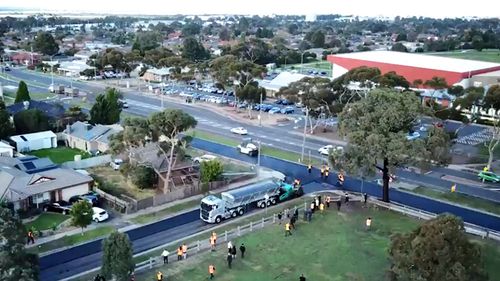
235	202
248	147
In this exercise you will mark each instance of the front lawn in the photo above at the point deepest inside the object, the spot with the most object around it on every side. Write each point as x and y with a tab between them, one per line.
117	184
60	155
335	246
47	221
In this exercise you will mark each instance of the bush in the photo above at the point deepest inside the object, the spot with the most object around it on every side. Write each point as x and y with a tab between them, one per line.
143	177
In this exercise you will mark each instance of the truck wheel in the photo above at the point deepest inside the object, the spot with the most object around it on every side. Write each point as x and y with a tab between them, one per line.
268	203
234	214
218	219
273	201
261	204
241	212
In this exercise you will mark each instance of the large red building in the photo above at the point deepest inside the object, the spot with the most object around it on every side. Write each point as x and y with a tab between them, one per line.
414	66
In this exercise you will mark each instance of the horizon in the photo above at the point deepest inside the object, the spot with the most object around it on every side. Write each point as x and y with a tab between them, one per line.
363	8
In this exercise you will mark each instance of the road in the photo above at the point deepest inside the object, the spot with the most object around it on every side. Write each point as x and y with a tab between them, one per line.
282	137
83	257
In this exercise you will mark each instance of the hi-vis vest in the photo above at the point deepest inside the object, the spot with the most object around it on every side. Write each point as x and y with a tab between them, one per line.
159	276
287	226
179	252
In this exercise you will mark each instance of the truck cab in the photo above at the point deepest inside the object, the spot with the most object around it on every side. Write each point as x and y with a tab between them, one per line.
212	209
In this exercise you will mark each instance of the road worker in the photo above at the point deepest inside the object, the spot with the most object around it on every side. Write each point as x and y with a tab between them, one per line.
328	200
211	271
309	168
321	207
322	171
212	243
179	253
184	250
368	223
159	276
287	229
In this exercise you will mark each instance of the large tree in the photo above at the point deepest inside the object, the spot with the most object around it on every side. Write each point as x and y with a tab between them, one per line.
251	93
117	258
377	128
15	262
210	171
31	121
229	70
399	47
81	214
22	93
492	98
194	50
437	250
107	108
391	79
45	44
6	126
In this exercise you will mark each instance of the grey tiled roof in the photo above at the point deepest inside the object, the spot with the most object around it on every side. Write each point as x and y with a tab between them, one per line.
90	132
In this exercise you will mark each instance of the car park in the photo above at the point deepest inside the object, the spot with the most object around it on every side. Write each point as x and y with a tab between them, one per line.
61	207
488	176
239	131
99	214
204	158
325	150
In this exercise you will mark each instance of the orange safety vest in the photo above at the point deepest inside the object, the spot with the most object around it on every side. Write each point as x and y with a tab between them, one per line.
287	226
211	269
184	248
212	240
179	252
322	169
214	235
321	206
159	276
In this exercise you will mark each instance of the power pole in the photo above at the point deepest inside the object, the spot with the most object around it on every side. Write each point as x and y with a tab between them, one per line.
260	110
304	137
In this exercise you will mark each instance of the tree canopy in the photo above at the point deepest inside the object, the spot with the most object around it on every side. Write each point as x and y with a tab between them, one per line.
377	128
194	50
399	47
492	98
117	258
22	93
15	262
210	170
107	108
31	121
6	126
251	93
81	214
45	44
437	250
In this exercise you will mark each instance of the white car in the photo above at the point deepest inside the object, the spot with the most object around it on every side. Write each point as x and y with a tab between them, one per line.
52	88
204	158
239	131
325	150
99	214
116	164
413	136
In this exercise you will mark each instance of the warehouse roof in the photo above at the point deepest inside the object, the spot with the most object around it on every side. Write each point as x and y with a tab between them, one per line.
421	61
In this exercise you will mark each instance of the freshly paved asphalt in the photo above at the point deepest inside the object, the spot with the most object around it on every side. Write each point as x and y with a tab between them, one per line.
78	259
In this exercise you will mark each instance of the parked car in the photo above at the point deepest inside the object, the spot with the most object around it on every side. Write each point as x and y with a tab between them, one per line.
6	68
204	158
325	150
78	198
61	207
288	110
413	136
115	164
275	110
488	176
266	107
286	102
99	214
239	131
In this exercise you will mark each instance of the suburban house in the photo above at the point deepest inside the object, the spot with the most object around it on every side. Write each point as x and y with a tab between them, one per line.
88	137
6	150
29	182
281	80
156	74
183	173
34	141
54	111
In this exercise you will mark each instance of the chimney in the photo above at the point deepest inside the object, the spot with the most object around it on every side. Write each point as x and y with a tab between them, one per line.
26	104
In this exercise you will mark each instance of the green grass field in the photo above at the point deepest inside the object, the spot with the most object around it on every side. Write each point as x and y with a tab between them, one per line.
335	246
60	154
46	221
485	55
461	199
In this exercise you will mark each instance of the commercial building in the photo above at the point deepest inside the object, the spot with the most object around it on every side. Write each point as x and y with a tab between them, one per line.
419	66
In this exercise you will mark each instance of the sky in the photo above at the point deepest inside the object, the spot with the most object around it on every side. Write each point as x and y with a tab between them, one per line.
429	8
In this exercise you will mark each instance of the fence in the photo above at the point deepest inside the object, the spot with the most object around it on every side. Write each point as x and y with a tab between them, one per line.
88	163
114	202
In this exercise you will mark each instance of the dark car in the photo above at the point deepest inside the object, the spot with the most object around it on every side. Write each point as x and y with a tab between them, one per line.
6	68
61	207
77	198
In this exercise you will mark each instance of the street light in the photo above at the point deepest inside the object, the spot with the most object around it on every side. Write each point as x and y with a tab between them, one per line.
304	136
